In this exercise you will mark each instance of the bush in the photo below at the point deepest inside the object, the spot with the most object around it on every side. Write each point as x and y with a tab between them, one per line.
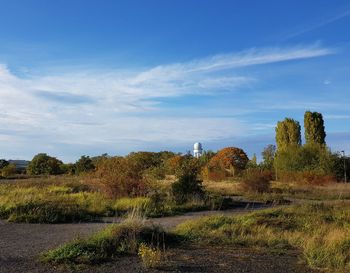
214	173
256	181
44	164
150	256
8	170
117	239
188	184
311	158
83	165
118	177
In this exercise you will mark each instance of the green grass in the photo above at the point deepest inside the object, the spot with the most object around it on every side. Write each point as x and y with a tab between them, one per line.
51	201
60	199
321	232
114	241
124	205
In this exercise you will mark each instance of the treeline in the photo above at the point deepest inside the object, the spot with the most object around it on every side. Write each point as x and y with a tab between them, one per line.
291	160
310	162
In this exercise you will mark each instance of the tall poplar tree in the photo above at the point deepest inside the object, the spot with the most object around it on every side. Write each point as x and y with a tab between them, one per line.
288	134
314	128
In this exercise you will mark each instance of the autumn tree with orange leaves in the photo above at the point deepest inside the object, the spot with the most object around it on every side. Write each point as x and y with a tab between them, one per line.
231	160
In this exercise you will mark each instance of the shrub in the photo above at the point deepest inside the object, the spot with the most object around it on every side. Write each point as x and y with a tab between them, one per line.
188	184
44	164
256	181
8	170
117	177
214	173
83	165
308	159
150	256
117	239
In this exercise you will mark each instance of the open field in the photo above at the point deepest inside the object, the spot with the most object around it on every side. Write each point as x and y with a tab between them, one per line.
282	190
64	199
306	231
316	233
22	255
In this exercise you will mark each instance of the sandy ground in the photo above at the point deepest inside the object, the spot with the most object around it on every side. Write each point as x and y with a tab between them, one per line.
20	245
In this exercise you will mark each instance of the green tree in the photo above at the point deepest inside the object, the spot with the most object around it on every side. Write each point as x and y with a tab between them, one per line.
8	170
44	164
68	168
3	163
288	134
314	128
268	155
84	164
253	163
188	185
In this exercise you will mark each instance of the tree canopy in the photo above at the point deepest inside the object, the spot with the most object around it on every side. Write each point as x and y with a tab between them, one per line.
44	164
230	158
288	134
314	128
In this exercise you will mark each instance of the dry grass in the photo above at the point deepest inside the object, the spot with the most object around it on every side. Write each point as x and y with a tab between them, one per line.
320	231
282	190
224	188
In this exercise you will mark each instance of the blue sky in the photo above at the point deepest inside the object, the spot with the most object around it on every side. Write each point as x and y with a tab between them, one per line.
89	77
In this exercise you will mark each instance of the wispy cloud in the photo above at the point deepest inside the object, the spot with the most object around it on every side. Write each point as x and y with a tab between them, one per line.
92	106
320	24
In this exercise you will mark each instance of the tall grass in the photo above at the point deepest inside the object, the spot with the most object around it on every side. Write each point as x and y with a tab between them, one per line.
115	240
320	231
50	201
67	199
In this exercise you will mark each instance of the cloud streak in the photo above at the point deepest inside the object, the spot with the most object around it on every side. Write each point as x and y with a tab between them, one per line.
320	24
89	107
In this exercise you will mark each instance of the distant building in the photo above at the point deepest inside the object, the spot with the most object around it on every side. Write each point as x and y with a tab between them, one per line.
197	150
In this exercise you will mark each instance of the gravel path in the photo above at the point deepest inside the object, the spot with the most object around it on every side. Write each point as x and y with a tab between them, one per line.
20	245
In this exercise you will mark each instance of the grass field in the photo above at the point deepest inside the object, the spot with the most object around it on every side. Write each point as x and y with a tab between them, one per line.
320	232
62	199
51	200
282	190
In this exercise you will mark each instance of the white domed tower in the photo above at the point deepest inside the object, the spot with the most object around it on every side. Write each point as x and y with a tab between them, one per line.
197	150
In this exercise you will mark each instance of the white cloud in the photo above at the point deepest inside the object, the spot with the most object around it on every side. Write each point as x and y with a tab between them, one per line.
90	107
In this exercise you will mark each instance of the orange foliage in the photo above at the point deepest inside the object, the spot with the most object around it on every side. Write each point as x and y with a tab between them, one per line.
173	164
230	158
118	177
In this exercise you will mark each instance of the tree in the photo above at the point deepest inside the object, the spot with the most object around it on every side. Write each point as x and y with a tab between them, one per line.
188	185
84	164
142	161
314	128
3	163
8	170
288	133
117	177
268	155
44	164
253	163
231	159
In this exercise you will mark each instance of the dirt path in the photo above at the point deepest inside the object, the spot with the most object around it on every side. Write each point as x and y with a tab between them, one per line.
20	245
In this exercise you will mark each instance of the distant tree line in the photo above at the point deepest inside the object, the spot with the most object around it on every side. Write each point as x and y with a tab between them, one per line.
290	159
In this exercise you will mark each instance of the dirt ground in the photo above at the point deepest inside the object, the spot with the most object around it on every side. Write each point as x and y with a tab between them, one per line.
21	244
